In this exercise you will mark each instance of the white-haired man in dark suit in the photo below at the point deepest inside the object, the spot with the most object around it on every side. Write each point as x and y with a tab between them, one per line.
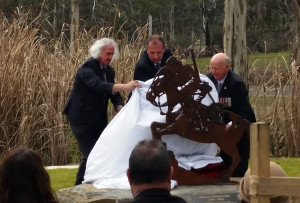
86	107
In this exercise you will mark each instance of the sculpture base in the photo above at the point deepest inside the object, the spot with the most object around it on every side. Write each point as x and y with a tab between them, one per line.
225	193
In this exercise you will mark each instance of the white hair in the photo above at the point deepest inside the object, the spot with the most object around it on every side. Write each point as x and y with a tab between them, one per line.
96	49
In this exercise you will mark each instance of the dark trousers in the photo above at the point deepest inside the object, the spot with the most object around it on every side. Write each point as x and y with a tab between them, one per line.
86	140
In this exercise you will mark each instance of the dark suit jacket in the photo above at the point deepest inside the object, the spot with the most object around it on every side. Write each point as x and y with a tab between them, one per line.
145	69
155	196
235	89
86	107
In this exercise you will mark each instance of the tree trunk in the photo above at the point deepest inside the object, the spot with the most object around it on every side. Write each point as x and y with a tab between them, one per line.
93	10
296	75
205	26
235	44
150	24
54	24
296	43
171	16
74	24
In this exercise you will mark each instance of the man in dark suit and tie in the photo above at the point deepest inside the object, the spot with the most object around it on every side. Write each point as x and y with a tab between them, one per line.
234	95
152	59
86	107
150	172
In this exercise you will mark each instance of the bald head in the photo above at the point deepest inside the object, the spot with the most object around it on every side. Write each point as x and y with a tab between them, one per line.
219	64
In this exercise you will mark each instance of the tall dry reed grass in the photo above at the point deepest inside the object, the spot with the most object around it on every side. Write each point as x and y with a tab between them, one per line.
36	78
277	101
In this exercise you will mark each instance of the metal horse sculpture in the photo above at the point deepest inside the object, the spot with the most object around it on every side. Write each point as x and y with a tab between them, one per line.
193	120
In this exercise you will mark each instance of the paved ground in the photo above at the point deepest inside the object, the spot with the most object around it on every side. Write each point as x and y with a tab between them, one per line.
66	166
270	91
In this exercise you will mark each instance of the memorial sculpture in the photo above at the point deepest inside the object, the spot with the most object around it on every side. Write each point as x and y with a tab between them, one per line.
187	117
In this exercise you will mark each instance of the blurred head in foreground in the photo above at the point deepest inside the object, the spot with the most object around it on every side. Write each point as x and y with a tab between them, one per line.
23	178
149	166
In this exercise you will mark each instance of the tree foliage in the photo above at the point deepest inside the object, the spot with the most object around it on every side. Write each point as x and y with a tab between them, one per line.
269	22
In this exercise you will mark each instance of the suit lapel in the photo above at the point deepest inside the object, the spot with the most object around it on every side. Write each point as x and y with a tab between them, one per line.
97	66
101	72
225	84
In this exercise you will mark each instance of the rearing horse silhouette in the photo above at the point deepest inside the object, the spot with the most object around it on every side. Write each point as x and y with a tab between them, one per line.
192	119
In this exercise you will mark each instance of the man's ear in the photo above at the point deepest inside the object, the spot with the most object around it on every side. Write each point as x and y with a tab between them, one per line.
128	177
228	66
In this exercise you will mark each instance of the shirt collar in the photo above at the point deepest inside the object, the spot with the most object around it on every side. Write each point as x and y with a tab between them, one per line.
138	193
222	81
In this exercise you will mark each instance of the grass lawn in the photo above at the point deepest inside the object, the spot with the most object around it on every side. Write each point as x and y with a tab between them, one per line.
290	165
254	60
64	178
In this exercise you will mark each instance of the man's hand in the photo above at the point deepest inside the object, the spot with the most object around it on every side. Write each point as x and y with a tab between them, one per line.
132	85
128	86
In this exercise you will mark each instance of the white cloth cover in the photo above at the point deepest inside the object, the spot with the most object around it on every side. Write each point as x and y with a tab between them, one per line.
108	161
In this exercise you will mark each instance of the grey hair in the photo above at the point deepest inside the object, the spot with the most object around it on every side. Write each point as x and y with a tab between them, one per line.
96	49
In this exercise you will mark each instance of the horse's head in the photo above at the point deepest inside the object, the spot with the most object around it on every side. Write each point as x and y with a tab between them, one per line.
167	81
186	79
170	80
156	90
178	83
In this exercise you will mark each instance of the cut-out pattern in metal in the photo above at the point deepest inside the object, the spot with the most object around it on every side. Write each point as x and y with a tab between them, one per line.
193	120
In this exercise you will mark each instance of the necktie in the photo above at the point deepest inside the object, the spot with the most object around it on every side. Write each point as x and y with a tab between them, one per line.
103	75
103	72
219	87
157	66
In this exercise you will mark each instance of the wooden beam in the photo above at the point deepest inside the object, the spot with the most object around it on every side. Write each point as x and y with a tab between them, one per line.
275	186
259	158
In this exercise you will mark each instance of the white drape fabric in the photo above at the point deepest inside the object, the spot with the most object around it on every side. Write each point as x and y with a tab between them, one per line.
108	161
